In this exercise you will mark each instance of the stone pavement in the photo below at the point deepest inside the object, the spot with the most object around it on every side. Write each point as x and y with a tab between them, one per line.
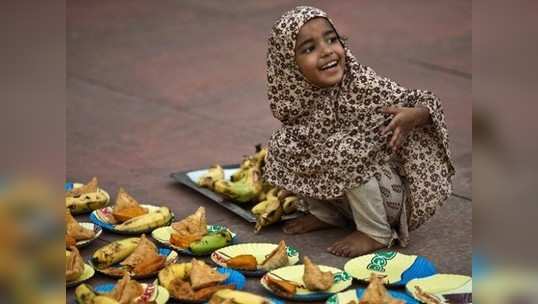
155	87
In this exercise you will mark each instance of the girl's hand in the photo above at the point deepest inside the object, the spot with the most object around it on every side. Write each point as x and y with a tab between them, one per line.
404	120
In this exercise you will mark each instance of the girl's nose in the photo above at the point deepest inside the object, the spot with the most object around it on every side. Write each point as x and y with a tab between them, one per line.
326	49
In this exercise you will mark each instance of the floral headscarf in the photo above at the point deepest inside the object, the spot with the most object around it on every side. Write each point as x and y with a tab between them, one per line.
330	140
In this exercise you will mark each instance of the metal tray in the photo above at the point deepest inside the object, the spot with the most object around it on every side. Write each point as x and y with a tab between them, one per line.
184	179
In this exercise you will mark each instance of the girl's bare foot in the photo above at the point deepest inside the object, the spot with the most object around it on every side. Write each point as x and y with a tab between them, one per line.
304	224
355	244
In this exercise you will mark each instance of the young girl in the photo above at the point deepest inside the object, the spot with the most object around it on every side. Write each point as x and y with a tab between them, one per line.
355	145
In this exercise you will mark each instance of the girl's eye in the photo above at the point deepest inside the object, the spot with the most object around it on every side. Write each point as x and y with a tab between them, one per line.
308	50
331	40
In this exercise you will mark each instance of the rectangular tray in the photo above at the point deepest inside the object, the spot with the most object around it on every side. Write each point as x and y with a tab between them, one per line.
184	178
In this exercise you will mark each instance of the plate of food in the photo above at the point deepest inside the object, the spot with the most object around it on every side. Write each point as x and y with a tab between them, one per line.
79	234
193	236
308	282
76	271
126	290
374	293
229	296
239	188
138	257
128	216
396	268
255	259
196	282
84	198
442	288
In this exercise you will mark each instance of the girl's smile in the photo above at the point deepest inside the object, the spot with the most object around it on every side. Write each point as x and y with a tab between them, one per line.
319	54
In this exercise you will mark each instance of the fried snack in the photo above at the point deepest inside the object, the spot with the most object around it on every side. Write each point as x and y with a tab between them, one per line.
205	293
376	293
181	290
75	230
149	265
190	229
282	287
425	297
243	261
203	276
183	241
145	250
126	207
126	290
277	258
74	265
69	241
90	187
314	278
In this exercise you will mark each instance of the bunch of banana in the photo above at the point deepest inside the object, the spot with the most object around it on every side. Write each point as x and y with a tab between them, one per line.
146	222
243	190
114	252
257	160
214	174
86	202
277	203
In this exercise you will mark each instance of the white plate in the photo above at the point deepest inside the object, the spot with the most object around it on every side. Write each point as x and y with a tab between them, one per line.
342	281
96	228
99	217
443	286
86	275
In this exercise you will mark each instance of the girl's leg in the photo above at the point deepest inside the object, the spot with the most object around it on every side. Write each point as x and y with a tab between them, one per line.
322	215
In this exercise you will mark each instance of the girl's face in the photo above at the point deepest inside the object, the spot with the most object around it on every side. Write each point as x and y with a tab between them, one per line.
319	54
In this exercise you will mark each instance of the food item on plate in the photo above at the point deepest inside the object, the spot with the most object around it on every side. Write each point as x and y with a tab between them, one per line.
126	207
70	241
192	281
190	229
277	258
76	231
145	259
314	278
376	293
126	291
85	198
426	297
214	174
74	264
282	287
228	296
114	252
211	242
243	262
90	187
148	221
191	233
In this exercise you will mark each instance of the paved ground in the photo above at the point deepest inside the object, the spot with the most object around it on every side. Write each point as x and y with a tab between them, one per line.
162	86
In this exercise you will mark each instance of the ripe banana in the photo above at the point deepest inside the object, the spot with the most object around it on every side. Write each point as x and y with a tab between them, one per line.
104	300
243	190
238	297
146	222
272	214
174	271
262	206
290	204
86	202
255	160
114	252
84	294
214	174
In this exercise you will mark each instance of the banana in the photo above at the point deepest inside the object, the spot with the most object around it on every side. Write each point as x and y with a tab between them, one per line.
289	205
211	242
104	300
243	190
114	252
238	297
262	206
255	160
214	173
272	214
173	271
84	294
86	202
146	222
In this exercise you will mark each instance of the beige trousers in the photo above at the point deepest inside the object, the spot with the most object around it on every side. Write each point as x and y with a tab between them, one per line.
377	208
